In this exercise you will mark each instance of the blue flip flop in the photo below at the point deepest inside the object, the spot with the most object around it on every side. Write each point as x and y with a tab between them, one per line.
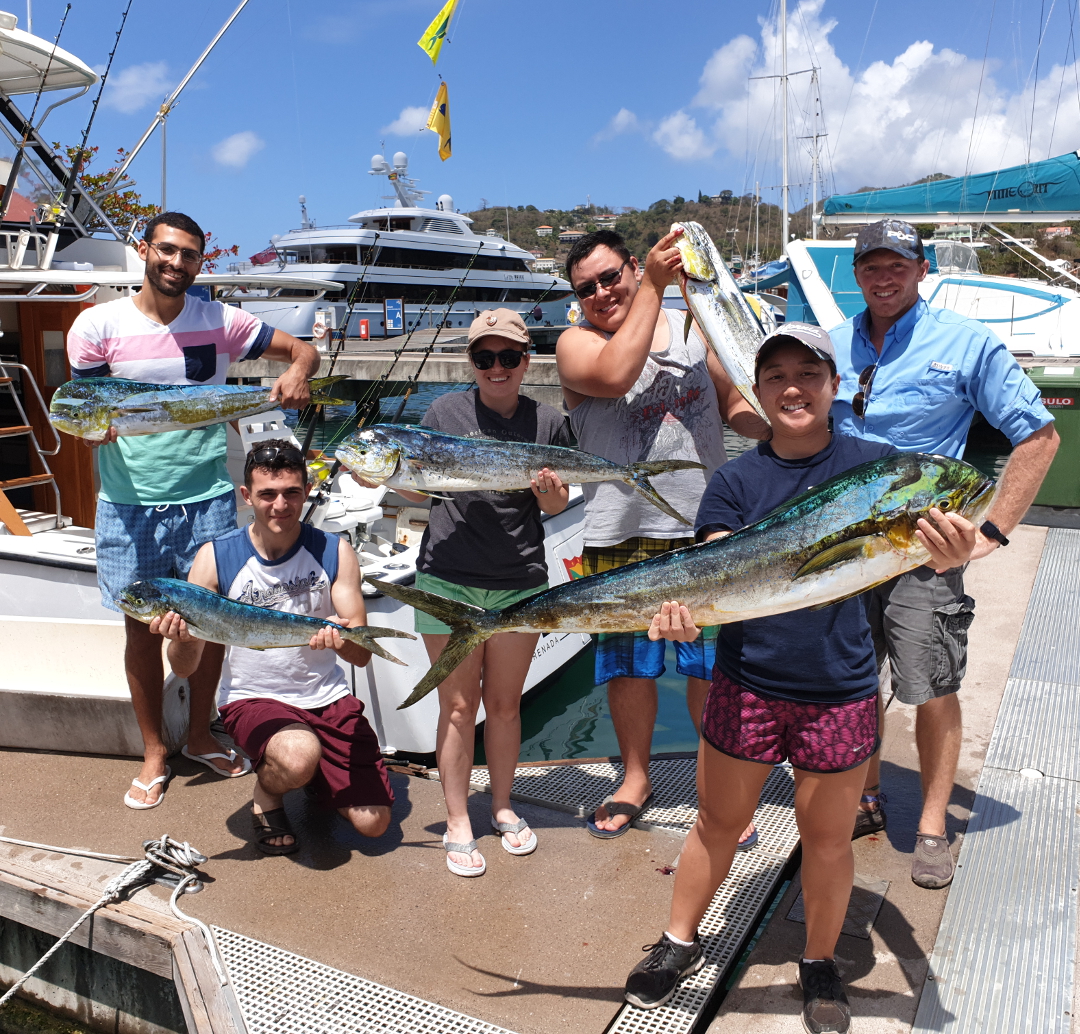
618	808
749	841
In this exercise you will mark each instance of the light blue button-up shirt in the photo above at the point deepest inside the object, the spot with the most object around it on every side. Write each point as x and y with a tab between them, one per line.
935	370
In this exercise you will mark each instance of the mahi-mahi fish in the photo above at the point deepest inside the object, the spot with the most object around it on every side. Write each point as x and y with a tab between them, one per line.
833	542
713	298
218	619
421	460
88	407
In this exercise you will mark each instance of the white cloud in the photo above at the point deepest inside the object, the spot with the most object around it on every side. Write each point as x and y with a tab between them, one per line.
894	122
623	121
136	86
236	150
410	121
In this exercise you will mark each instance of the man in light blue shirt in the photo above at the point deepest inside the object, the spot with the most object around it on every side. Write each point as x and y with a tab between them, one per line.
914	376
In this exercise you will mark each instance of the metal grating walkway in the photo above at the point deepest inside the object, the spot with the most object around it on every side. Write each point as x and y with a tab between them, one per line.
740	901
1004	959
281	992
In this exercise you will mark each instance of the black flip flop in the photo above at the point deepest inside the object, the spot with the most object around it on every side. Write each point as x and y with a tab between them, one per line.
271	824
618	808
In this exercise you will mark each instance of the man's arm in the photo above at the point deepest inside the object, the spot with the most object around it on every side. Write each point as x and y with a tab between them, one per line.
348	607
185	651
739	415
592	366
292	386
1019	484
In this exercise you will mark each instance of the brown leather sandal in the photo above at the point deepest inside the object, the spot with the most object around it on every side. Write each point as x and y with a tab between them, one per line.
268	826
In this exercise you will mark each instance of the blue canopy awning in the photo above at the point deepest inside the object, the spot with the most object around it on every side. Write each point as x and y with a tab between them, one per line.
1038	192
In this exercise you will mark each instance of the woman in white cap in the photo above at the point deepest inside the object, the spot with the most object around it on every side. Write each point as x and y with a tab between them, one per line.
487	549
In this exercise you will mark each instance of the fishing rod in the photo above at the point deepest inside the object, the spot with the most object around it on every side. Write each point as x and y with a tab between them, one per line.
13	174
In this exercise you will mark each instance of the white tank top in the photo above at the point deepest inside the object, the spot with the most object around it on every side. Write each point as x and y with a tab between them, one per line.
298	583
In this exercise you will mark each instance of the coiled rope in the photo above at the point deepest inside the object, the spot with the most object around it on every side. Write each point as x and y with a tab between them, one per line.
180	859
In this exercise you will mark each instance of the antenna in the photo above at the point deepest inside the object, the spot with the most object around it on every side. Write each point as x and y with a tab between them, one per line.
305	222
815	158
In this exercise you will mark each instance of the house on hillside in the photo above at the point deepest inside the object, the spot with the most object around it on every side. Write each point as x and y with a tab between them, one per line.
1058	231
545	265
544	231
606	222
571	236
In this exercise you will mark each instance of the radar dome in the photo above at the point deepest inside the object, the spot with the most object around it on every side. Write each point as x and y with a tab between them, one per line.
445	203
378	163
401	160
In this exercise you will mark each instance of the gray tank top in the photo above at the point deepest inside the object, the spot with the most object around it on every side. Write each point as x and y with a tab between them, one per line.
670	413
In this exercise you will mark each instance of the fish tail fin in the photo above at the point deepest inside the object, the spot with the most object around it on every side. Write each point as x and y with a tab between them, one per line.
638	476
365	637
470	626
320	391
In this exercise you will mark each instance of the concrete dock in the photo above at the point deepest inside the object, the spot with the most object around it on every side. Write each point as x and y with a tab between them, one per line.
542	943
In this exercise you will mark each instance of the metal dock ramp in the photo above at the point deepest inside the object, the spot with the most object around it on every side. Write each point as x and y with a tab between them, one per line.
1005	954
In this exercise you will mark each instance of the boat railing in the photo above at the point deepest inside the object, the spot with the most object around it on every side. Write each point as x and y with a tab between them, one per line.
16	244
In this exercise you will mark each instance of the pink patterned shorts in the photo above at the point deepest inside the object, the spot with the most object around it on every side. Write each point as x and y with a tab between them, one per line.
813	737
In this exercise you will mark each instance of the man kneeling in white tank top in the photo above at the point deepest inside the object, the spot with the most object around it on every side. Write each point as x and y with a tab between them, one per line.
290	710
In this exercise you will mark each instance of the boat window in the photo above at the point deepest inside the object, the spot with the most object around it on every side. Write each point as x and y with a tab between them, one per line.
419	258
321	253
953	257
516	294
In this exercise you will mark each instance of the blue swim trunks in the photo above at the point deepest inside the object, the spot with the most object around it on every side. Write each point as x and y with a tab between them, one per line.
633	654
135	542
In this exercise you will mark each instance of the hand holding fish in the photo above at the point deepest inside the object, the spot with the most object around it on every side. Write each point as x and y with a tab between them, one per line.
950	539
110	436
663	261
172	626
673	623
549	491
291	390
327	638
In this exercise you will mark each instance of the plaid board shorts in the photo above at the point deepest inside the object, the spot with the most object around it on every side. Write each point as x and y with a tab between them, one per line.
814	737
135	542
633	654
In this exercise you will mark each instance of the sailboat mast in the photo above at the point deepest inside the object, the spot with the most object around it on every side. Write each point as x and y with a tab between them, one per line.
784	119
815	169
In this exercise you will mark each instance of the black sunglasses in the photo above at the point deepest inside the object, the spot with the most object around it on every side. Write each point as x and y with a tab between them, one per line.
588	289
269	453
866	382
510	358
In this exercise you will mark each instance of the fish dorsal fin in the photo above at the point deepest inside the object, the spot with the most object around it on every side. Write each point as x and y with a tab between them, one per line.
688	323
838	554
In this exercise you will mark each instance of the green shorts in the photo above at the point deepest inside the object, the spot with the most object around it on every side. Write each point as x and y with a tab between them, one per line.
489	599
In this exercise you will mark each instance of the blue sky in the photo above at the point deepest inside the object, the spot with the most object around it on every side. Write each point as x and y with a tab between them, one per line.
625	102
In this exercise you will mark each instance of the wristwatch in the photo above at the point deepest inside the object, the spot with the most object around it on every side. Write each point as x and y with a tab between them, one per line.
992	531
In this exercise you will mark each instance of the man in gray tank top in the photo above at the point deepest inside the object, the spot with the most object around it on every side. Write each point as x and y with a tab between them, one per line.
635	392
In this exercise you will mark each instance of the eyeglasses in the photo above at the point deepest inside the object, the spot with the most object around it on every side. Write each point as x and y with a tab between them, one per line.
263	457
510	358
588	289
189	256
866	383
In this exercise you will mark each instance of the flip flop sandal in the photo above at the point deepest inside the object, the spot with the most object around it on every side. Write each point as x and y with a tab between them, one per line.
146	788
749	841
208	760
463	870
514	827
271	824
618	808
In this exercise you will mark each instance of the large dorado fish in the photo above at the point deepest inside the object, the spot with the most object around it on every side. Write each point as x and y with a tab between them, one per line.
421	460
853	532
87	408
723	313
218	619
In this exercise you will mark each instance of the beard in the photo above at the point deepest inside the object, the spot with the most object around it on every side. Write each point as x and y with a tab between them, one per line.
171	289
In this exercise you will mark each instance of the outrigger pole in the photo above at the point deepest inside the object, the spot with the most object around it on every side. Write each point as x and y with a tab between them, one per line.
167	104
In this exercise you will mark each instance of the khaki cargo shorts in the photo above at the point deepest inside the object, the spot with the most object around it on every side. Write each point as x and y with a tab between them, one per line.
920	622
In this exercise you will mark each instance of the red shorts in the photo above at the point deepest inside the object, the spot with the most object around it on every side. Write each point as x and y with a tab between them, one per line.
351	771
813	737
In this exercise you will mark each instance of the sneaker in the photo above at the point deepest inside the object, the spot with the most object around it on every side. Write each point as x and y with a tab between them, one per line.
933	866
653	980
867	822
825	1006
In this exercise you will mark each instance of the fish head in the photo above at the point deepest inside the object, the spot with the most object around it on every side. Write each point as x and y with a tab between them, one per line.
694	249
370	454
81	418
143	601
927	481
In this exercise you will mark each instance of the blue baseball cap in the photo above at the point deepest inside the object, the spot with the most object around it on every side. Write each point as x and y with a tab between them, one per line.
892	235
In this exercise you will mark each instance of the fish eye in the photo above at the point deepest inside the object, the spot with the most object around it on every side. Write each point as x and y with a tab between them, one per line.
945	504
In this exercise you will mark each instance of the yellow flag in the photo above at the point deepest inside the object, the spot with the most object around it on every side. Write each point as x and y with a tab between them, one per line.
439	120
435	34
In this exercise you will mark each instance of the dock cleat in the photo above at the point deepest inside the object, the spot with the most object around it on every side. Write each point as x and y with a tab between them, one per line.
825	1005
653	980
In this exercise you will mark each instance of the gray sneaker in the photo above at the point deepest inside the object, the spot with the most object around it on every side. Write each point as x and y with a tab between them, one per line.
933	865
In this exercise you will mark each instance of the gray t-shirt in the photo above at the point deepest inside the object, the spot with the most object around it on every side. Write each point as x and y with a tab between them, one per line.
671	413
489	540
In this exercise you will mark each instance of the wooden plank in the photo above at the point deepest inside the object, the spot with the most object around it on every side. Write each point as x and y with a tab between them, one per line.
10	517
34	479
7	432
125	931
209	1007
